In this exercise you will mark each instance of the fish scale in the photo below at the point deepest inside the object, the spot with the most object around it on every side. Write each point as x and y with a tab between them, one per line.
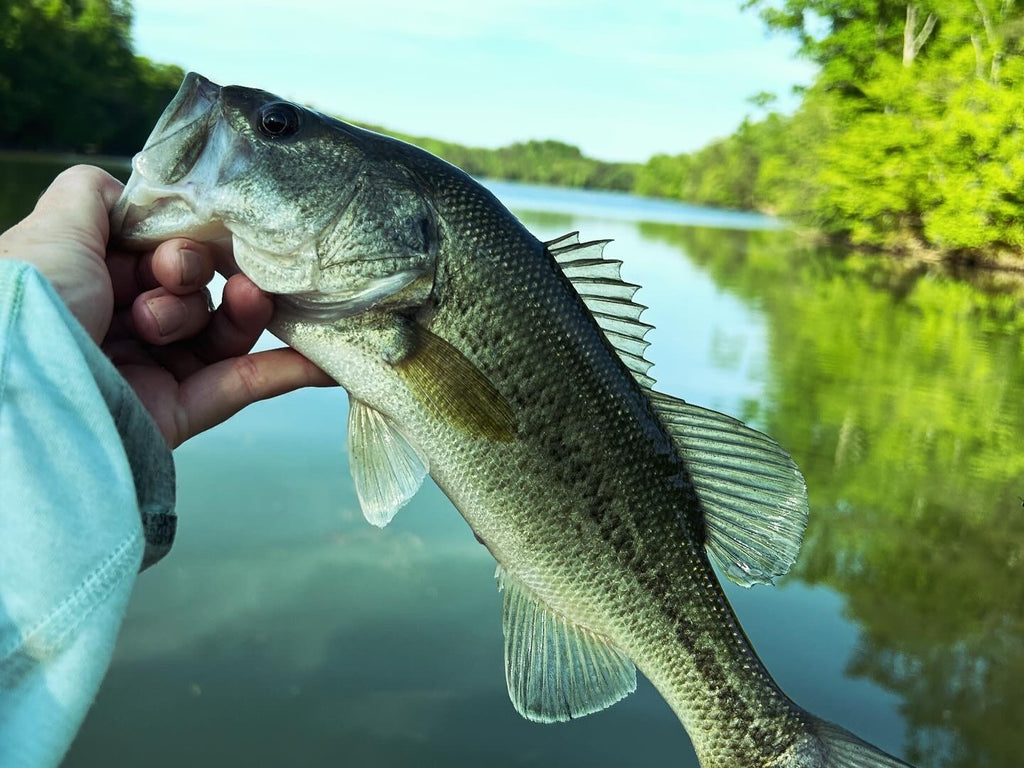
475	352
542	338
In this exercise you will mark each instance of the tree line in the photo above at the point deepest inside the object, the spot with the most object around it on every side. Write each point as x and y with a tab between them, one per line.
539	162
911	136
69	81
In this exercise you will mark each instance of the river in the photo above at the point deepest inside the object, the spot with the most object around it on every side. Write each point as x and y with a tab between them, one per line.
284	630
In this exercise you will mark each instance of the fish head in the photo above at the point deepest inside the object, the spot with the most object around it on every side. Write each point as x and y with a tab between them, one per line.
313	210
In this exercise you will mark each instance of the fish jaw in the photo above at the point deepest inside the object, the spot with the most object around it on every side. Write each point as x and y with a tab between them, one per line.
181	186
164	196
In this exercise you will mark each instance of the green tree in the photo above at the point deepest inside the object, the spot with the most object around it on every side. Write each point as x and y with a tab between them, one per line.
540	162
911	134
70	81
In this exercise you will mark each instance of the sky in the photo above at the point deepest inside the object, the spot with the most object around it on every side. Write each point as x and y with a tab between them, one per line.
621	79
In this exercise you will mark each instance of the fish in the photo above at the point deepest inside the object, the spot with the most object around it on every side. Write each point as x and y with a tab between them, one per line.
513	372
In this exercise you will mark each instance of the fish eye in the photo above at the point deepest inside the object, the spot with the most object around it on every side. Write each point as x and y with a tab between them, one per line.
278	120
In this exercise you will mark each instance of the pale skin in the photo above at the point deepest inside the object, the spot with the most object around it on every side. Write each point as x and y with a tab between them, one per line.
150	312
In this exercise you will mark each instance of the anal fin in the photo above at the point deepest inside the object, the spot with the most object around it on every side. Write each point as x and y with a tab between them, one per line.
557	670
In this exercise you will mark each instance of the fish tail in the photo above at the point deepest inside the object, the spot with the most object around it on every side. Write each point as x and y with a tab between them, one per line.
830	746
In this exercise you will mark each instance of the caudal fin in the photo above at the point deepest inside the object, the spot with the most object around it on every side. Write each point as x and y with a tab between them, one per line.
841	749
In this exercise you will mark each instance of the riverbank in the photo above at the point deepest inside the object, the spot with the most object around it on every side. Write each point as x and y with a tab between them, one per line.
910	252
1001	269
119	162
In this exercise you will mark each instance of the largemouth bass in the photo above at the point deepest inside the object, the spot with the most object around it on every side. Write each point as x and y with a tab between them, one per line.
513	371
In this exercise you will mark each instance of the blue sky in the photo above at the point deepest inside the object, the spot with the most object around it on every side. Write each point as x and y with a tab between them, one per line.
621	79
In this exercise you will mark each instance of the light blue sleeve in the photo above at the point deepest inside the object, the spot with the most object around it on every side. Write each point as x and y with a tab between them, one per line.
86	498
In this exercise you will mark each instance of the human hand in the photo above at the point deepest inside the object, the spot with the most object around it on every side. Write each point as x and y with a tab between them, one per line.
150	311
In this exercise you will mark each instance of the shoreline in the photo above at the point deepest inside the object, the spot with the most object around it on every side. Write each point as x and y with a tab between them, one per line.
910	252
71	158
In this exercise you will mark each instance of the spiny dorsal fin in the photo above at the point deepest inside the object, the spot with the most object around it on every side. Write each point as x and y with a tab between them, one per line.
754	497
572	238
556	670
609	299
386	468
454	389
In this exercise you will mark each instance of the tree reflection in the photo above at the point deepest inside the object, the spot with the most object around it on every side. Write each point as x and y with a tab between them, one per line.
25	177
900	391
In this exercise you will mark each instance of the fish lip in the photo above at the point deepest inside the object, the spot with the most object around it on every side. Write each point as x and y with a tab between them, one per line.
175	145
194	99
187	120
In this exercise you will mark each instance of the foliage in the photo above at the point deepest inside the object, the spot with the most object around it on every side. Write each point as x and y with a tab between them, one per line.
725	173
69	79
911	135
541	162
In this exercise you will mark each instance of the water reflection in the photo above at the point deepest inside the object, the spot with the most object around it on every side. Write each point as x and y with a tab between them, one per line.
901	394
283	630
24	175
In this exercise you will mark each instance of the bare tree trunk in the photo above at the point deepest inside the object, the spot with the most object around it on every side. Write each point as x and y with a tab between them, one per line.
993	40
979	58
908	35
914	40
987	21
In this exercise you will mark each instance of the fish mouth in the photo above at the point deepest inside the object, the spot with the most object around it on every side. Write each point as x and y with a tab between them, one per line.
178	189
169	191
198	175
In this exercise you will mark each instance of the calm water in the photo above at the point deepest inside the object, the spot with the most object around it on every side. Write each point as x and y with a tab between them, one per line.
284	630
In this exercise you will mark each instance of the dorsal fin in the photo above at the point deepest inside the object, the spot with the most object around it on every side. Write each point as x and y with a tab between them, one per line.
609	299
753	495
572	238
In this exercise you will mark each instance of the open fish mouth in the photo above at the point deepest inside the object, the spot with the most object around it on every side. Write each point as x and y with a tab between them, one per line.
180	187
308	211
165	217
172	174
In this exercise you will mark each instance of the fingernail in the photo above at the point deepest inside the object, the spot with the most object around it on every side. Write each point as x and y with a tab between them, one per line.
191	267
169	313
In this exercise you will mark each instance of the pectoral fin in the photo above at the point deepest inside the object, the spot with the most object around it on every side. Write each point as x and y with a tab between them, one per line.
557	670
454	390
386	468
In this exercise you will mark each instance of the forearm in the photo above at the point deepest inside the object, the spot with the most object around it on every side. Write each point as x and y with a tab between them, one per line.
86	494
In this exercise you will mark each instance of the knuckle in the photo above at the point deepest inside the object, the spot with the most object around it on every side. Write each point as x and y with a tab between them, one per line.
250	377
